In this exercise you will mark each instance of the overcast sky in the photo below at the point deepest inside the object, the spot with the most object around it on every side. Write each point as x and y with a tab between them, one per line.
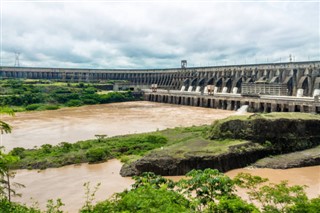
158	34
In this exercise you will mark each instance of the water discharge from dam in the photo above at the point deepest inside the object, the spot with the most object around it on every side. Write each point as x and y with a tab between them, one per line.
72	124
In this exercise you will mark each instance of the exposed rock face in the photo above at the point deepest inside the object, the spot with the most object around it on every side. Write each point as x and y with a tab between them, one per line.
309	157
278	136
285	135
167	165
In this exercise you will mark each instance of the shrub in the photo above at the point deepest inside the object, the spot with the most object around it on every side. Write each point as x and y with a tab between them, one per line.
73	103
46	148
232	205
147	199
32	107
89	101
7	206
85	144
97	154
18	151
65	146
51	107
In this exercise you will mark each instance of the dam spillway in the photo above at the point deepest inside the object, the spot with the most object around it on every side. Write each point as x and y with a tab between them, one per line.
291	86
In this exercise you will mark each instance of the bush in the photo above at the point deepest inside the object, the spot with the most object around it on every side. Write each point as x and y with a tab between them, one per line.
32	107
7	206
74	103
232	205
46	148
51	107
84	144
89	101
65	146
18	151
97	154
147	199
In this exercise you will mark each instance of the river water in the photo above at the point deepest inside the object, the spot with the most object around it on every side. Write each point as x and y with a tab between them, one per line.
73	124
67	182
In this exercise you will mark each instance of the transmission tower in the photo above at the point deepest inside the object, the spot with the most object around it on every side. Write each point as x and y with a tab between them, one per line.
17	62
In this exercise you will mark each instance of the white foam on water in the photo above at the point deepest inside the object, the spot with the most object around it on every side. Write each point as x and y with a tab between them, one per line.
243	109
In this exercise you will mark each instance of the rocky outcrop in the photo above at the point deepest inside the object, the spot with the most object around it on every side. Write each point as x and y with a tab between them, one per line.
285	135
276	136
309	157
167	165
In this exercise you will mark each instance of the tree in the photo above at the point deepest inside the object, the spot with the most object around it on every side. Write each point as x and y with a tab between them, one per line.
209	185
150	193
4	127
6	160
6	190
274	197
153	180
100	137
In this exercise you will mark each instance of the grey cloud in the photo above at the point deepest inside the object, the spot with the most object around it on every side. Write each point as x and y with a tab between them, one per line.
141	35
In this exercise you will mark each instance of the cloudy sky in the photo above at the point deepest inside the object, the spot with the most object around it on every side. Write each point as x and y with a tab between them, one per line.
157	34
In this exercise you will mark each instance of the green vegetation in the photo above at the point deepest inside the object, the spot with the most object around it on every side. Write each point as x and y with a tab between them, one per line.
227	136
274	115
29	95
6	160
201	191
176	142
87	151
208	191
278	131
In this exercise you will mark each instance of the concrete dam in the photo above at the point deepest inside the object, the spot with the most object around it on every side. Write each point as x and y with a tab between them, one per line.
272	87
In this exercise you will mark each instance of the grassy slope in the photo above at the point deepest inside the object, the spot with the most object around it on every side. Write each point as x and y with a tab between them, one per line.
192	140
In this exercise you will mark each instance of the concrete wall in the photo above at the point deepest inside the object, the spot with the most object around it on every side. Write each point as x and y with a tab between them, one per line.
300	78
255	104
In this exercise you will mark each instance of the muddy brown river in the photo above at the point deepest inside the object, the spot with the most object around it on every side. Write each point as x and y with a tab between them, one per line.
73	124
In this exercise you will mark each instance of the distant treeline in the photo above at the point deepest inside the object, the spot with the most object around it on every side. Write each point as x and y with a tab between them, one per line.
25	95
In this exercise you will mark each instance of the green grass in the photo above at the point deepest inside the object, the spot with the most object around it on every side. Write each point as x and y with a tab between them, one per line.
87	151
274	115
290	115
197	146
126	148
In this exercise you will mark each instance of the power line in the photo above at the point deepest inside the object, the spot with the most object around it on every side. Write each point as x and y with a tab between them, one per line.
17	62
